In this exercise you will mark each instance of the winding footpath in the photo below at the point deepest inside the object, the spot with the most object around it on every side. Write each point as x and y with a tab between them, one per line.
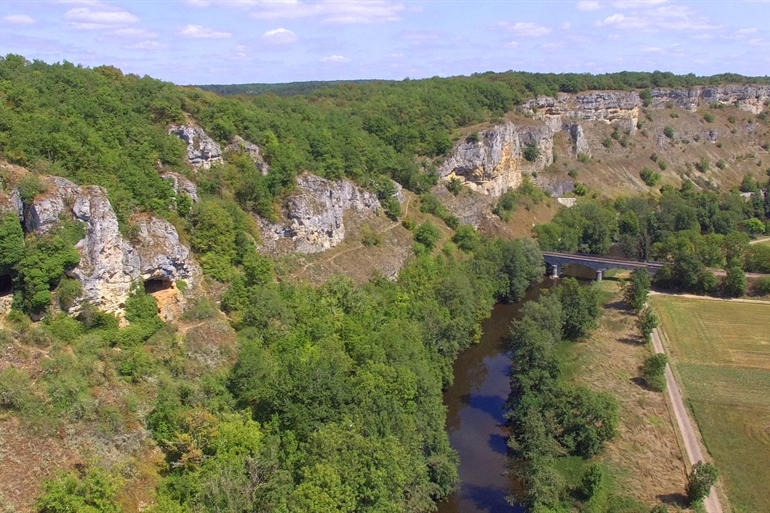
691	444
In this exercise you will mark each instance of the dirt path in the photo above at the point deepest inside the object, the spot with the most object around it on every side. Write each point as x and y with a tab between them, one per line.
759	241
709	298
691	444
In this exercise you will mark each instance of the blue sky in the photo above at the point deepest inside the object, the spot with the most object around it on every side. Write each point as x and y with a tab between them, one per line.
239	41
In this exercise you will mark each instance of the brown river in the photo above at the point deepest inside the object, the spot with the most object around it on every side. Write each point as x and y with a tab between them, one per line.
475	420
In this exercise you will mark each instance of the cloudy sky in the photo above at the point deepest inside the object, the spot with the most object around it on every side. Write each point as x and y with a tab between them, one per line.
239	41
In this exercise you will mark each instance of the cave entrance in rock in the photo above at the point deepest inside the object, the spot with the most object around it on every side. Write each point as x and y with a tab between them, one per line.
154	285
6	285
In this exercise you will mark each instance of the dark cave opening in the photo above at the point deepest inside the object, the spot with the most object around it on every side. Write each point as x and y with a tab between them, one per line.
6	285
154	285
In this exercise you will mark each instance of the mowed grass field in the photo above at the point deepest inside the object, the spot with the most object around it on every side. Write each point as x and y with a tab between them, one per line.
721	355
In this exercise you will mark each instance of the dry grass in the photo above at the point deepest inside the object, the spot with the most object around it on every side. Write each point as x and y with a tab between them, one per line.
646	456
721	354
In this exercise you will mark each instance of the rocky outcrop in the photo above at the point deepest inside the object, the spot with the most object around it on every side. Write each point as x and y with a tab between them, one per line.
202	150
239	144
10	203
313	216
580	143
494	161
181	185
624	106
109	264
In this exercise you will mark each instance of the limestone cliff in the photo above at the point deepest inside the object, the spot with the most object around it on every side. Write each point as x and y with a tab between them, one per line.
313	216
109	264
494	161
624	106
202	150
239	144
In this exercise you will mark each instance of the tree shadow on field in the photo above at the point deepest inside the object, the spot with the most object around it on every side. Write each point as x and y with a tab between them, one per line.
673	499
631	341
619	306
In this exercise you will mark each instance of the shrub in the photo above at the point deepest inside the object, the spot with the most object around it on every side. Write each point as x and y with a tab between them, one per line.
91	491
583	158
668	131
408	223
15	390
572	173
649	176
455	186
581	189
708	117
427	235
531	152
607	142
68	291
662	165
654	372
646	322
762	286
654	157
721	164
703	165
466	237
472	138
369	237
201	309
29	187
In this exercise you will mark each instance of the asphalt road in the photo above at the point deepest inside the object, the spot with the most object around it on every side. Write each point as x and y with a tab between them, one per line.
691	444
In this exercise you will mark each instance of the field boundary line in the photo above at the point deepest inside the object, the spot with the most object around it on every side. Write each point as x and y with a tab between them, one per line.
683	421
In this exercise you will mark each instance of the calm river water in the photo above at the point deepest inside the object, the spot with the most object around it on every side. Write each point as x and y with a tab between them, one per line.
475	420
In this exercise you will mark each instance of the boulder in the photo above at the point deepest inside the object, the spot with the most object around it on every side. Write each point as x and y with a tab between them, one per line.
181	185
202	150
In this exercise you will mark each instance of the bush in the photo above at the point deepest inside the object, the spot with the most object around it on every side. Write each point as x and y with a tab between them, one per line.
662	165
15	390
721	164
700	480
91	491
369	237
572	173
531	152
581	189
472	138
654	372
649	176
708	117
455	186
466	237
408	223
646	322
703	165
427	235
668	131
734	283
29	187
583	158
68	291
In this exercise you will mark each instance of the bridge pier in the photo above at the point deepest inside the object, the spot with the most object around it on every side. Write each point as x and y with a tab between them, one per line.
554	271
599	275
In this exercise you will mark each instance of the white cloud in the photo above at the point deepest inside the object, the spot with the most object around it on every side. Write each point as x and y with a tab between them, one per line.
526	29
588	5
91	17
635	4
279	36
19	19
134	33
329	11
566	25
336	59
746	31
667	17
512	44
201	32
148	45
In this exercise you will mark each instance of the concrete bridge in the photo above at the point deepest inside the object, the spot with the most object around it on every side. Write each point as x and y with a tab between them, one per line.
598	263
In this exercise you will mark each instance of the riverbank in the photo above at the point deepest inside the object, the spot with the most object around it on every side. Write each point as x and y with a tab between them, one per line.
645	458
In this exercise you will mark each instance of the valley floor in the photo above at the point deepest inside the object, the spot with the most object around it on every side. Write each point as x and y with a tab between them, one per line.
720	354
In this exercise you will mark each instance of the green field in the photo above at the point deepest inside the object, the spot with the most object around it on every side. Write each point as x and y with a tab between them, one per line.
721	354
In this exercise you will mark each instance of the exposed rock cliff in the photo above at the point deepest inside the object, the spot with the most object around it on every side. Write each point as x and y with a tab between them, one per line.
202	150
181	185
495	160
109	264
612	106
239	144
313	216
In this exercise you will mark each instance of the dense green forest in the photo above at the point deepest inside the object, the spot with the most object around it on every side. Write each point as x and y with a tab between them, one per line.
691	230
282	89
331	398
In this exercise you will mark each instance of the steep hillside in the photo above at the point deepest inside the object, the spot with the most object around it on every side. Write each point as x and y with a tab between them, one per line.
174	332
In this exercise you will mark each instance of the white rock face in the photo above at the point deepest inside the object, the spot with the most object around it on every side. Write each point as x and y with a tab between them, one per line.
314	214
575	131
239	144
202	150
181	184
109	264
496	160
